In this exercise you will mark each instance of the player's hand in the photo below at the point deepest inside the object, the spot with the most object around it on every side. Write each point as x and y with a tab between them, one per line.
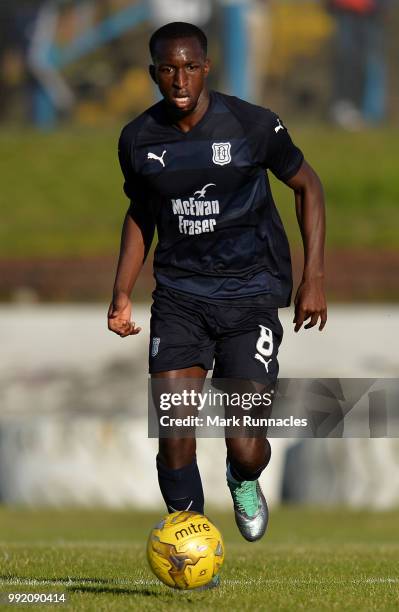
310	303
119	316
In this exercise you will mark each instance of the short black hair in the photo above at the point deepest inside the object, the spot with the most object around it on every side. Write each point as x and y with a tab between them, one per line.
175	30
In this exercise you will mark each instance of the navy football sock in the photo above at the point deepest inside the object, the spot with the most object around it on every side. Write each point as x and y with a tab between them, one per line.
181	488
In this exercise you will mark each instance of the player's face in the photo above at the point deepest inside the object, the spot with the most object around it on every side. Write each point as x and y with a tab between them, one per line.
180	70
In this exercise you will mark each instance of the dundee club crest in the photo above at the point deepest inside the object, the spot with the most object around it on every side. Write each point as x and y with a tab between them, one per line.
221	153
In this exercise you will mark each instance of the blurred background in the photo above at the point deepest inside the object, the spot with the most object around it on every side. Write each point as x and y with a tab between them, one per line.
73	415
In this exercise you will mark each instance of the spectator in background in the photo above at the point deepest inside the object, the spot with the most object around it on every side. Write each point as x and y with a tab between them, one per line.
360	71
16	21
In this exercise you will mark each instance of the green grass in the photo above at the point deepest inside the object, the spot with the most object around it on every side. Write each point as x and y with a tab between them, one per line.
62	192
310	559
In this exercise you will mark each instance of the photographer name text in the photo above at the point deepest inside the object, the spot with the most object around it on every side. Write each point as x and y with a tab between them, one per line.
234	421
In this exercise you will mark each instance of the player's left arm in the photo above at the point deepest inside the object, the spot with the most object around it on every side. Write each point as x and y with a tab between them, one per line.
310	300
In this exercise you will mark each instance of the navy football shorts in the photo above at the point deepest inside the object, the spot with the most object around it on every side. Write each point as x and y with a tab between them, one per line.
235	341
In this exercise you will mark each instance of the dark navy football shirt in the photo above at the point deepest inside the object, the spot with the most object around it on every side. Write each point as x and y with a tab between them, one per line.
207	192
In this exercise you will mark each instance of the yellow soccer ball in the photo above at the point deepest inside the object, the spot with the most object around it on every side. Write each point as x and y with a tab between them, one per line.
185	550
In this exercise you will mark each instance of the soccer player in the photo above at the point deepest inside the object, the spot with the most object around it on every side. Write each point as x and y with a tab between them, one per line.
195	167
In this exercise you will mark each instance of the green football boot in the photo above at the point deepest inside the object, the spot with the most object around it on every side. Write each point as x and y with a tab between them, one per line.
250	507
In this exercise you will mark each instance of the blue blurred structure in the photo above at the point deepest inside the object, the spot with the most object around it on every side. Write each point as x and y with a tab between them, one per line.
375	92
109	29
235	47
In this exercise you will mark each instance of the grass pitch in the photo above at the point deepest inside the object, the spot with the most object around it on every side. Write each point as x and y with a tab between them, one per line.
310	559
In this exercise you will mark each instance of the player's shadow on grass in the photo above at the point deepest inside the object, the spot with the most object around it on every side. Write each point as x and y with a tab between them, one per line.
105	586
101	590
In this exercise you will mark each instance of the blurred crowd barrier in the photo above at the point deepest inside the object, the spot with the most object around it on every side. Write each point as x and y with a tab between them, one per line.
73	416
86	60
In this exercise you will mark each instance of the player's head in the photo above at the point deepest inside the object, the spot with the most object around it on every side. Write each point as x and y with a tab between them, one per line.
180	65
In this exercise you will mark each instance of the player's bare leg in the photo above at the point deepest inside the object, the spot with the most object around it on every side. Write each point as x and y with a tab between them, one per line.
178	474
248	455
175	453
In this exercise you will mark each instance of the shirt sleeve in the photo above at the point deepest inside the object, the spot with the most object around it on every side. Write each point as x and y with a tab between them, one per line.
140	209
281	156
132	184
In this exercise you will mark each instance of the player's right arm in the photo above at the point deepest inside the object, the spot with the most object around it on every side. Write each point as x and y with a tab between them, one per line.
131	258
137	234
